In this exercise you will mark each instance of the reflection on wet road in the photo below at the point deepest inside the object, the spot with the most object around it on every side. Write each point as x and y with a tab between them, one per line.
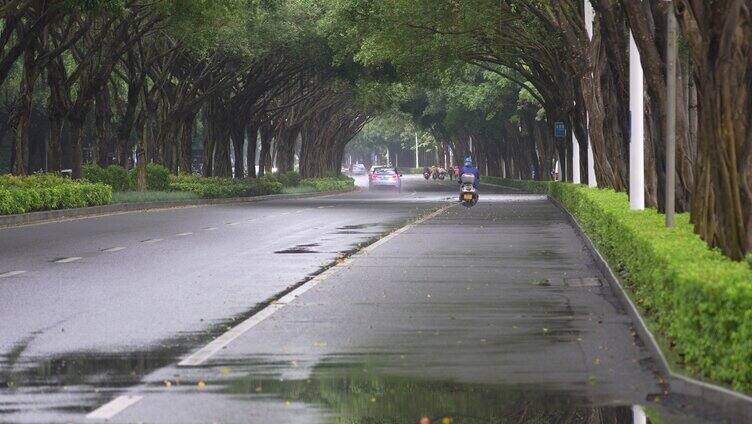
494	314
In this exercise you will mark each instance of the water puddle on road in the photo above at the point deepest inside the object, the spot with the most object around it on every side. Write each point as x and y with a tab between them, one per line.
301	248
353	394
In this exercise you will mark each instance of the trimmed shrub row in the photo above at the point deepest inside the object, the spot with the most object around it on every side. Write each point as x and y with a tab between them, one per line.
287	179
47	192
157	177
329	184
225	187
699	300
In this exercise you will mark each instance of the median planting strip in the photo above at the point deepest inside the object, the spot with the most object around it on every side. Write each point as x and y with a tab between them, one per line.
31	218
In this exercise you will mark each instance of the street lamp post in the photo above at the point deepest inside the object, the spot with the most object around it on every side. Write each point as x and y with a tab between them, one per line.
670	128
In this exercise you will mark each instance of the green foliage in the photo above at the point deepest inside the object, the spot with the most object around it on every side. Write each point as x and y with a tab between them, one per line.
114	176
49	191
225	187
157	178
287	179
151	196
700	300
329	184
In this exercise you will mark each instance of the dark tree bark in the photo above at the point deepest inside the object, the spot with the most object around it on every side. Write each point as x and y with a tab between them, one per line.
252	134
719	35
103	121
265	158
186	145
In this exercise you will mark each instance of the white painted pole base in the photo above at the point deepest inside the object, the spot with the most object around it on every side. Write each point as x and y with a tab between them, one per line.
637	138
575	160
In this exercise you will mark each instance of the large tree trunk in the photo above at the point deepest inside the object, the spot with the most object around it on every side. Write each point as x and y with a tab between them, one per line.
186	145
720	40
77	143
265	157
103	118
252	133
647	22
122	150
285	143
142	148
237	135
26	98
55	149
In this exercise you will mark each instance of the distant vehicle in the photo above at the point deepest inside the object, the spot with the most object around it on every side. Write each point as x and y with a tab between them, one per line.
344	170
375	167
385	178
358	169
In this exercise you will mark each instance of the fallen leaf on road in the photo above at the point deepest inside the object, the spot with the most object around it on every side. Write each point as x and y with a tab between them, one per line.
201	384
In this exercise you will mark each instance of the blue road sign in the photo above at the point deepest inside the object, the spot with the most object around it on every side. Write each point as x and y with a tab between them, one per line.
560	131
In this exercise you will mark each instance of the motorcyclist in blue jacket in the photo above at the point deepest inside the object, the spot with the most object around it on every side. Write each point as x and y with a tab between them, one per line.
470	169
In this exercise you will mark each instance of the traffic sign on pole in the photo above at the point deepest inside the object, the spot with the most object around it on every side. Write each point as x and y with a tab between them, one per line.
560	131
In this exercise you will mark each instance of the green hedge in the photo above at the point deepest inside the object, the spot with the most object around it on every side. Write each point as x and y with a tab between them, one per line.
329	184
287	179
114	176
699	300
47	192
225	187
157	177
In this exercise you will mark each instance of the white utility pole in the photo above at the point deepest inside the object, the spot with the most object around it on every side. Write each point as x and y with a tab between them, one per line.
637	130
575	160
589	18
416	151
671	55
471	145
638	415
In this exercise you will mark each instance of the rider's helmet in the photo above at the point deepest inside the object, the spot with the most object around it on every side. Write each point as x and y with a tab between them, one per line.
468	161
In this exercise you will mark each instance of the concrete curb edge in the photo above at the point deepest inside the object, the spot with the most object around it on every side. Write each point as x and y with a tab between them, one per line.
735	403
10	221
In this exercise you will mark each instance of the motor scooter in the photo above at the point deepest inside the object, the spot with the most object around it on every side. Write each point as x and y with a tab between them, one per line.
468	192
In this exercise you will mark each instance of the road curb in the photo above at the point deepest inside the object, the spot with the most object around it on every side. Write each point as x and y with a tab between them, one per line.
10	221
737	405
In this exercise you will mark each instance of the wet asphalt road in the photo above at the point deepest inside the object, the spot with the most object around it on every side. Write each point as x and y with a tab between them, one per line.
489	314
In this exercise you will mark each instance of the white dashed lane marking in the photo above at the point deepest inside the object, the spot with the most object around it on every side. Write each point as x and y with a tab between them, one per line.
67	260
11	273
114	249
221	342
113	407
155	240
210	228
183	234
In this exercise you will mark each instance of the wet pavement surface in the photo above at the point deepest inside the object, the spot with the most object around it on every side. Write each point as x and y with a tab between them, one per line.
495	314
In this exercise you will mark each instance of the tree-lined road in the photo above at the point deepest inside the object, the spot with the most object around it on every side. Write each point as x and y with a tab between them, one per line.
476	313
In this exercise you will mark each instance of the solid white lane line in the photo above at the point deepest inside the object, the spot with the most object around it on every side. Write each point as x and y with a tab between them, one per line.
155	240
206	352
11	273
114	249
113	407
183	234
67	260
